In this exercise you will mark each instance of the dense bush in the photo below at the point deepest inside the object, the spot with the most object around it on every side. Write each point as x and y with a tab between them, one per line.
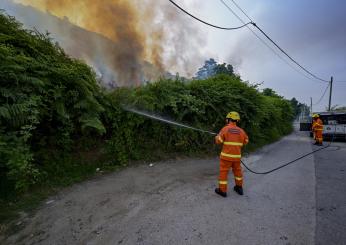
46	99
52	110
200	103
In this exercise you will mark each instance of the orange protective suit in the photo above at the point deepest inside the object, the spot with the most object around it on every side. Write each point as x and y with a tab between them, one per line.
233	138
317	128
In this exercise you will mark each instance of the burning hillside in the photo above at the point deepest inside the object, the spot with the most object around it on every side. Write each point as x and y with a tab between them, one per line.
134	32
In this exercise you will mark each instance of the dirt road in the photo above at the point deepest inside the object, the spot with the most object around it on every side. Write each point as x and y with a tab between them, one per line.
174	203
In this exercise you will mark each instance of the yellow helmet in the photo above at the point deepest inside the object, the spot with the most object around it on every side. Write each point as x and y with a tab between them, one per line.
315	115
233	115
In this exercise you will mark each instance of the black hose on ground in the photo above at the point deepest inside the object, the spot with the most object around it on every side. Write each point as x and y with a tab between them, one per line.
290	162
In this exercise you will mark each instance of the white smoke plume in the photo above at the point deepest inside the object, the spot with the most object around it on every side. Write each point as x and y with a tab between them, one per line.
126	42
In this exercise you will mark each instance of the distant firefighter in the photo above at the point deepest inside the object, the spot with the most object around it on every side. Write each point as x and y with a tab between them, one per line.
232	138
317	128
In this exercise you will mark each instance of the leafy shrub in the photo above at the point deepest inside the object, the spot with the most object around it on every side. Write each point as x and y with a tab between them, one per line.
52	110
200	103
46	99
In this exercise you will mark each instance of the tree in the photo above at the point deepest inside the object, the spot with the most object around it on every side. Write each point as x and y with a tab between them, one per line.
340	108
207	70
270	92
224	69
296	106
46	100
336	108
212	68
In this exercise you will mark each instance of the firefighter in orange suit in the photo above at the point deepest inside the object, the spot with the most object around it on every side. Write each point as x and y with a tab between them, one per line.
232	138
317	128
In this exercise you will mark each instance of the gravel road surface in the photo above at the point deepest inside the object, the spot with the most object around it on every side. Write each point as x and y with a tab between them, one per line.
173	202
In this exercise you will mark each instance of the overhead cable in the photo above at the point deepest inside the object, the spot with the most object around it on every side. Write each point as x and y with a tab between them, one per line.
322	95
267	45
283	51
273	42
206	23
242	10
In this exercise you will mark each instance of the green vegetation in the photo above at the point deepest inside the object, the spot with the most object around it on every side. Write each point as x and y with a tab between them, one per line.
212	68
57	125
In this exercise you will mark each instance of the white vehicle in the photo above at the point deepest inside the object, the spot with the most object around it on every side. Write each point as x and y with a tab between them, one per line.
334	124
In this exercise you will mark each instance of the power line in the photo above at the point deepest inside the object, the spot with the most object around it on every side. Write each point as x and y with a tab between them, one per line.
241	10
241	20
206	23
283	51
266	44
324	93
273	42
234	2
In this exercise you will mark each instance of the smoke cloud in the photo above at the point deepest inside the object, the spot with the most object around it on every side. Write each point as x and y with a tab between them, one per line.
131	41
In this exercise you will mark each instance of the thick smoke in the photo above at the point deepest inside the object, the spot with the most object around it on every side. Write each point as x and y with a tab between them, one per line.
133	32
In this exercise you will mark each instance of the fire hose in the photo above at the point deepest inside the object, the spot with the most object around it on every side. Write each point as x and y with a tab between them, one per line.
288	163
145	114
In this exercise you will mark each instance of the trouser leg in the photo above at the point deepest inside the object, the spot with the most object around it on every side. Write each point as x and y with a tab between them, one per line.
319	137
223	177
316	138
238	173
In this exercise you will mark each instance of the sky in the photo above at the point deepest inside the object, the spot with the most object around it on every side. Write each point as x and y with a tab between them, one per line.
312	32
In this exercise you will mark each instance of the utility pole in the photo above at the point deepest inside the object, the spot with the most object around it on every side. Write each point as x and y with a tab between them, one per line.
311	105
330	93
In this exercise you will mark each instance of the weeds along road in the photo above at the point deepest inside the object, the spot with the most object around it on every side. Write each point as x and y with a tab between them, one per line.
174	202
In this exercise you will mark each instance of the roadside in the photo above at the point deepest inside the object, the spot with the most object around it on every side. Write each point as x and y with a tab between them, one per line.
173	202
330	195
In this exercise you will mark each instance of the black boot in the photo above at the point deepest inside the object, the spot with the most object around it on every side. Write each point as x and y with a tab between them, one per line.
221	193
238	189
